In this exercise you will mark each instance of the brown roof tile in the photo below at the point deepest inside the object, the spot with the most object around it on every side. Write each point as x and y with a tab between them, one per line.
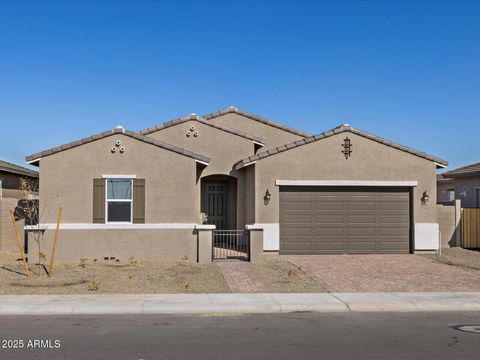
195	117
471	169
338	130
17	169
232	109
35	157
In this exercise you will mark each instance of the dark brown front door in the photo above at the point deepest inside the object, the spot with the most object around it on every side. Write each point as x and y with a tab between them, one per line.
216	204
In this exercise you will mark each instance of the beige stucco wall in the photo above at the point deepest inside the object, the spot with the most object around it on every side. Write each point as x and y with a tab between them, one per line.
323	160
446	222
223	148
8	240
172	192
465	188
148	244
272	136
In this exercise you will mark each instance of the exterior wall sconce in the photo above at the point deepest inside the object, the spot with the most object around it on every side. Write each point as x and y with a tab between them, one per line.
267	197
425	197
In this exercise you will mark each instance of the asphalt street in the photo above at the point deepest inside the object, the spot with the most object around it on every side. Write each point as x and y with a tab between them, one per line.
262	336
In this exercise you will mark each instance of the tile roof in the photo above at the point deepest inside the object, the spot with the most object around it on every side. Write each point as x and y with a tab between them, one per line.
233	109
17	169
195	117
337	130
443	179
118	130
466	170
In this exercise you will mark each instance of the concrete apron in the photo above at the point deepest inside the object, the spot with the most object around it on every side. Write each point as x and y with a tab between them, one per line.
236	303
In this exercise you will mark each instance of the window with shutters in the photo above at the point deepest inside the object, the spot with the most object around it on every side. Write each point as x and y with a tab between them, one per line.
119	200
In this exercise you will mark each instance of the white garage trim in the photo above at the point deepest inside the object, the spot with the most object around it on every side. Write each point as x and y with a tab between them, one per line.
344	183
271	235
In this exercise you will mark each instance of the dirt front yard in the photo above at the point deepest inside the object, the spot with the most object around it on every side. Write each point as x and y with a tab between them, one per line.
110	277
149	277
467	259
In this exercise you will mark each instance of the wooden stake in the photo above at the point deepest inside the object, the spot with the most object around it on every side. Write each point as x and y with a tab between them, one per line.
14	223
59	218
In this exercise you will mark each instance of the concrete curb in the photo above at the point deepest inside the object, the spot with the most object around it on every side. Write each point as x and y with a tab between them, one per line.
139	304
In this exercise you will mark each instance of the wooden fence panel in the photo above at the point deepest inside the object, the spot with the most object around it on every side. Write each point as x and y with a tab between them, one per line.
471	228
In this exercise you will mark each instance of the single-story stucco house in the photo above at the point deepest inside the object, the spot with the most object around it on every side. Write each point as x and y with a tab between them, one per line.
10	176
148	194
462	184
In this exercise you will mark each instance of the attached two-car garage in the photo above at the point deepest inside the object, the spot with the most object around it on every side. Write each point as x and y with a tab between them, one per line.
344	220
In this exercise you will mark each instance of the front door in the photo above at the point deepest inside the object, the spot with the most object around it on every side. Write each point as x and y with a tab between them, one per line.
216	204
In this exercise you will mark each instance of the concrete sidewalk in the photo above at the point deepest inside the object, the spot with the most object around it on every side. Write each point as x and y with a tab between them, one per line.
236	303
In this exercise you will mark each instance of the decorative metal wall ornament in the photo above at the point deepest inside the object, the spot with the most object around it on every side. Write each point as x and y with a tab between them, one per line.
347	148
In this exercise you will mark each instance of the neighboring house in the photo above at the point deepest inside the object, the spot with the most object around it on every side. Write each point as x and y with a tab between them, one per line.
445	189
464	184
143	194
10	175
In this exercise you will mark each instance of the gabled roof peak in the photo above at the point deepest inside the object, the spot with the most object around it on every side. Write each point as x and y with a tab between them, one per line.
33	159
233	109
338	130
200	119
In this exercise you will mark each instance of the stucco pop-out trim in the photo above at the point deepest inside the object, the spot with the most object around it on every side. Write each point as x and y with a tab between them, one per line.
427	236
271	235
344	183
81	226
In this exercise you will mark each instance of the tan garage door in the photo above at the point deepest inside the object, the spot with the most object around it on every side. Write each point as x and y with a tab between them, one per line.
320	220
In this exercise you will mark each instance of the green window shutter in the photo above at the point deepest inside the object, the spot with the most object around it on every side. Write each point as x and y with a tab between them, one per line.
139	201
99	201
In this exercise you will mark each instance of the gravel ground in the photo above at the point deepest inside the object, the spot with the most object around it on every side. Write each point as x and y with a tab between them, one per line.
136	277
110	277
459	257
281	276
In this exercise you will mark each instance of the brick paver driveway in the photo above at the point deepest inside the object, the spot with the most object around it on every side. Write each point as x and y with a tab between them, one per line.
385	273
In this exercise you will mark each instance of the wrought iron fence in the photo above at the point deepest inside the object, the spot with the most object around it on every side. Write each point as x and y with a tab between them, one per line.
231	245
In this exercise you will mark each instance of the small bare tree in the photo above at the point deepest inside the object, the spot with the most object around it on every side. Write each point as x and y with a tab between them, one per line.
29	209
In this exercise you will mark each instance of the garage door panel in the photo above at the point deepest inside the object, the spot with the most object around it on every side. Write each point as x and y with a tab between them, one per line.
362	218
329	231
360	245
353	231
393	231
298	218
298	205
298	231
352	221
394	245
328	205
361	205
329	245
330	218
384	205
393	219
298	245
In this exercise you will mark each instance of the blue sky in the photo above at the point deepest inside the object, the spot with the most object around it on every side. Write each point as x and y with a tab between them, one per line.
406	71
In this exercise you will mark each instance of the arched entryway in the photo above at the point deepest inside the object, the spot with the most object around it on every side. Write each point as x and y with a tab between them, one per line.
219	201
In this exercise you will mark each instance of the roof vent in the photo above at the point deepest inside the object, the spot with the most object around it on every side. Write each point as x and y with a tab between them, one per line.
232	108
120	127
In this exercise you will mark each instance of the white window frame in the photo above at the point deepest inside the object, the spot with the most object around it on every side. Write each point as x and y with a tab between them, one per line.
450	191
112	177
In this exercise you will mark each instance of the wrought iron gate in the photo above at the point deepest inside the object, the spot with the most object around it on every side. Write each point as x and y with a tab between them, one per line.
231	245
